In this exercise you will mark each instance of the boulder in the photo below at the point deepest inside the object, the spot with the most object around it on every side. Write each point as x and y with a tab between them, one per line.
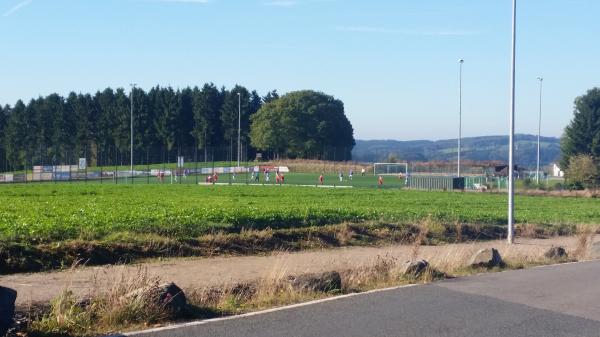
487	257
556	253
7	309
415	268
168	295
325	282
172	297
594	250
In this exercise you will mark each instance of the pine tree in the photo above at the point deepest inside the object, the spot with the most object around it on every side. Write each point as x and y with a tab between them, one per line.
582	135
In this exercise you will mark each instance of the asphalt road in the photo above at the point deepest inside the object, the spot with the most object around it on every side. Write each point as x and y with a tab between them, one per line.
548	301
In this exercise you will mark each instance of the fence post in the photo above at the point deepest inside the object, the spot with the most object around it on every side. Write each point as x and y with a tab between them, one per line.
147	168
100	164
116	163
25	166
196	161
70	174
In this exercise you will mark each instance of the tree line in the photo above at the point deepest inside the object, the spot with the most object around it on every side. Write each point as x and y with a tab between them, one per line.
163	117
58	129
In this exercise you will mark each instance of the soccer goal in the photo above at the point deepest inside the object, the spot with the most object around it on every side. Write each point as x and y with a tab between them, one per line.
390	168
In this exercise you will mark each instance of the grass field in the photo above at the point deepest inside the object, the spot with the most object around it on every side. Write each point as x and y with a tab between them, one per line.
55	212
44	226
292	178
295	178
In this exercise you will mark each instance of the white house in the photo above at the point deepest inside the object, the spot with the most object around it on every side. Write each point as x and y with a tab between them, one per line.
556	171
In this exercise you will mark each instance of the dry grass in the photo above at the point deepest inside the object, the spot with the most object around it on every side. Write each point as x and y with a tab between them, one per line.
528	230
561	193
344	234
129	302
585	237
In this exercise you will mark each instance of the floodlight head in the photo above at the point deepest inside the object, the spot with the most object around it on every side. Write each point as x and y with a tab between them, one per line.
540	79
461	61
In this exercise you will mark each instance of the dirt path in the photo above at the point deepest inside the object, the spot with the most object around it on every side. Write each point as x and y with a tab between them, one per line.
204	272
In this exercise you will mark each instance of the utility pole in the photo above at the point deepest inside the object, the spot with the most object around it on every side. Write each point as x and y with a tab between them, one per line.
131	132
461	61
239	127
511	145
537	172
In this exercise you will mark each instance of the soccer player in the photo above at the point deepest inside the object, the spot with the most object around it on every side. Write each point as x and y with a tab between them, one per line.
380	181
350	174
362	172
321	179
341	176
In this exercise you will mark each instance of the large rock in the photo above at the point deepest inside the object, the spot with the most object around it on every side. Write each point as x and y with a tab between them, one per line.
594	250
556	253
325	282
7	309
487	257
168	295
172	297
415	268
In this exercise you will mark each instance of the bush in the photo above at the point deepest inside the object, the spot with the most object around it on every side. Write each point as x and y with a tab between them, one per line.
582	172
574	186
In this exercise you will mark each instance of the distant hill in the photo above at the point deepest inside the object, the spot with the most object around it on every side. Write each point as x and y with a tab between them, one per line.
473	148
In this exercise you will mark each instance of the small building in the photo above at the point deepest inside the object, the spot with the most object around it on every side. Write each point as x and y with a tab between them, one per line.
556	171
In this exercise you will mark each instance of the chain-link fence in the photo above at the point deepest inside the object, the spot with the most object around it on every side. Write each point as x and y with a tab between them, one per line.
221	165
211	165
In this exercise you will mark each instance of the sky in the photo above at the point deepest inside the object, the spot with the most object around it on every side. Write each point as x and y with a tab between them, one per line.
393	63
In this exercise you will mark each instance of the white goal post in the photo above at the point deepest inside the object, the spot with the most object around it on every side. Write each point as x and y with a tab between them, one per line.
390	168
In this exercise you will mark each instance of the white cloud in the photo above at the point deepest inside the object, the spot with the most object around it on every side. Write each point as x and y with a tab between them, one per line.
17	7
382	30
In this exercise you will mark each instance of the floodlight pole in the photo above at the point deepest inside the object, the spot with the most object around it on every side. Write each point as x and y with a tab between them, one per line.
131	131
537	172
461	61
239	127
511	146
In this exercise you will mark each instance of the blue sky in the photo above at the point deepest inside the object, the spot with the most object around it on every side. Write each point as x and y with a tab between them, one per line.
393	63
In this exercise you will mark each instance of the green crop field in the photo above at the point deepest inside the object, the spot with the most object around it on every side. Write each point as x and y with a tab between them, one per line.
42	213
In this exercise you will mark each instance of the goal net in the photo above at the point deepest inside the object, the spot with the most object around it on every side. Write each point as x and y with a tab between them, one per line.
390	168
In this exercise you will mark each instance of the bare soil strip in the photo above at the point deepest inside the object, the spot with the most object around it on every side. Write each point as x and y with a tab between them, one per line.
197	273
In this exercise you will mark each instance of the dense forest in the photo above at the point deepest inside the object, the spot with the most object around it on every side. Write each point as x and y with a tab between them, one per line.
163	118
